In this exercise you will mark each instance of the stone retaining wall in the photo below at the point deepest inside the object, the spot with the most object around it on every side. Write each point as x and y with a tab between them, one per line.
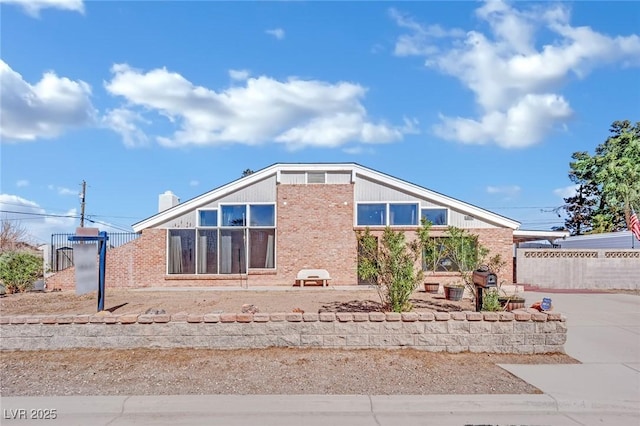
522	331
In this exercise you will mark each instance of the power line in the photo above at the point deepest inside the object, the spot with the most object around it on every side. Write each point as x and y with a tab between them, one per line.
41	214
120	228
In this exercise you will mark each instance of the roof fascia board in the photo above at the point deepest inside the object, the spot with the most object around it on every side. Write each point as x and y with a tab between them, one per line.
204	199
354	168
541	234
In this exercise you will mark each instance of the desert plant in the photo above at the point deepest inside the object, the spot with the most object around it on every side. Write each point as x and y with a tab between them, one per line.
465	254
18	270
491	301
391	265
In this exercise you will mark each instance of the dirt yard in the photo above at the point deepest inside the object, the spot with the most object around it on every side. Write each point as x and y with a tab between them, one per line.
262	371
309	299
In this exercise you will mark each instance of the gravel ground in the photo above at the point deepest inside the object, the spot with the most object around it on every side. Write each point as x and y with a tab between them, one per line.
259	371
123	301
263	371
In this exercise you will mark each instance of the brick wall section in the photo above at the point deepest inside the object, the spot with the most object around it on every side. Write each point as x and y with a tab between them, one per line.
498	241
139	263
520	332
315	231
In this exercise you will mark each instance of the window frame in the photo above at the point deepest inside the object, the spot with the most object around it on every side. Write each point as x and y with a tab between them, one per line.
371	203
245	228
447	215
400	203
387	213
199	217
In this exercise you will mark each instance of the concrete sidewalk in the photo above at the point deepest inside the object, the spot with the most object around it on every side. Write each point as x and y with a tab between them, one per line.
285	410
604	334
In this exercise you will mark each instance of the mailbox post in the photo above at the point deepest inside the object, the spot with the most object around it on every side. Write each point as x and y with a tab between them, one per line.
102	239
483	279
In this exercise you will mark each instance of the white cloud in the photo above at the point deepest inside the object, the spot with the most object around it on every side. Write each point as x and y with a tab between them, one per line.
194	182
125	122
22	183
38	223
523	124
419	41
276	32
566	192
33	7
61	190
43	110
239	74
516	84
508	190
296	113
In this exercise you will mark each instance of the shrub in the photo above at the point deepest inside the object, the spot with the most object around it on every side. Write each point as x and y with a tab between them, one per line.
491	301
18	270
392	265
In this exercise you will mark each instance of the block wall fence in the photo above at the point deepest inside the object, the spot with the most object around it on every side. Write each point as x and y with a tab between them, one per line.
524	331
579	268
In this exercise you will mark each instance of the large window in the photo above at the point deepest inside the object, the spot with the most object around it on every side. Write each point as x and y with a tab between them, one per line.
208	251
235	215
443	256
227	240
403	214
182	251
262	215
208	217
372	214
383	214
437	217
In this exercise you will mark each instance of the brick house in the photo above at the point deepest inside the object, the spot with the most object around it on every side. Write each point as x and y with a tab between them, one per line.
261	229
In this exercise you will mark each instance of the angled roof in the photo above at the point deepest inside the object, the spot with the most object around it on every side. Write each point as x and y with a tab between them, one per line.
354	168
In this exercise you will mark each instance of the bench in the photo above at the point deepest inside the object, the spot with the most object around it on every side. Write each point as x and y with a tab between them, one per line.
315	275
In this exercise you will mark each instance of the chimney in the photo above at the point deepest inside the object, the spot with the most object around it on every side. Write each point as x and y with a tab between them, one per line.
167	200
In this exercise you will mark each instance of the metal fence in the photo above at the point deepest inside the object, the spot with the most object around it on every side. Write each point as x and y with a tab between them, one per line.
61	254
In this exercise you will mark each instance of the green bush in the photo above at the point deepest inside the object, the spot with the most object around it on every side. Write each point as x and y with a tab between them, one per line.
392	265
491	301
18	270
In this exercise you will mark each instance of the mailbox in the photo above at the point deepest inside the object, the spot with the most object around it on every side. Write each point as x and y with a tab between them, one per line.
484	279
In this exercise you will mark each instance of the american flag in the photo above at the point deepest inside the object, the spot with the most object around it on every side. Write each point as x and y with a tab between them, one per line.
634	224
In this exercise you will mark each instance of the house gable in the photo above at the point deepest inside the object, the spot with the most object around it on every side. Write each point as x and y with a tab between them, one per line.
370	185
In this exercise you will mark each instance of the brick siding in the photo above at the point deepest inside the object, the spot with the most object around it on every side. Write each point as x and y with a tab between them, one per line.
314	231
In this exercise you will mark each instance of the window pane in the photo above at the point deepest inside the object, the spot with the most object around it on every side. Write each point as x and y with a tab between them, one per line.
436	257
182	253
232	252
208	217
261	248
403	214
435	216
234	215
262	214
208	252
372	214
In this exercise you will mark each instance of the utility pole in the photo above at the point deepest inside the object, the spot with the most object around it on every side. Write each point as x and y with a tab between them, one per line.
82	196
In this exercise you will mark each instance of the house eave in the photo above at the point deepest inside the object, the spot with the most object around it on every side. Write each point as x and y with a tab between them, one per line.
355	170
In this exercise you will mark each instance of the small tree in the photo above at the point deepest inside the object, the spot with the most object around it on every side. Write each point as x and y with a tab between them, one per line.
18	270
391	266
465	254
12	236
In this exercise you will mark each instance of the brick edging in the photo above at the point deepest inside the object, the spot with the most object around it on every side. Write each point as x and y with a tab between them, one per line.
519	332
520	315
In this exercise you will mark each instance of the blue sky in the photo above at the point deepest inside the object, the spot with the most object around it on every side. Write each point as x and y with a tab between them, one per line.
483	102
